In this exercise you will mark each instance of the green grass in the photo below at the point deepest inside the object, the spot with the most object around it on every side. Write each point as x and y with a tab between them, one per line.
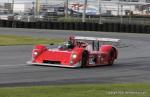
92	90
8	40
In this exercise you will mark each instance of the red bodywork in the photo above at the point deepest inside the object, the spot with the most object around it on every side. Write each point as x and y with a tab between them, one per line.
82	54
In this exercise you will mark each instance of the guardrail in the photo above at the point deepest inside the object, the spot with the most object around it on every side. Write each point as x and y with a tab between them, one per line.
106	27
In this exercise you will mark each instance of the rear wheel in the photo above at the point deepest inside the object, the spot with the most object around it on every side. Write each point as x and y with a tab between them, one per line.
111	62
84	59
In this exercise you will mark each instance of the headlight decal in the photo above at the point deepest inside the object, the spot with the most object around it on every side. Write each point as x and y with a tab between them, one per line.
74	56
35	53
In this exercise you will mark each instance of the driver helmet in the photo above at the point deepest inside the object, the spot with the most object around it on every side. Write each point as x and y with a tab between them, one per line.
69	44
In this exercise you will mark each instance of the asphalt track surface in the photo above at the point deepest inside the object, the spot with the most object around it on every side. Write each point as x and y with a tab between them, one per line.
133	64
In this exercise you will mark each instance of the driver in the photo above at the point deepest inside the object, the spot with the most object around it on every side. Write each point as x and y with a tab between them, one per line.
69	45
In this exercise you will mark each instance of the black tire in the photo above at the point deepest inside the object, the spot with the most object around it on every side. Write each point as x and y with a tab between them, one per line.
84	59
111	55
111	62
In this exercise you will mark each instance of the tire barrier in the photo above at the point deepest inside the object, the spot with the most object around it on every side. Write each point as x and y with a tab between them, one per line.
32	25
9	23
60	26
116	27
2	23
66	26
100	27
106	27
71	26
38	25
49	25
26	24
138	29
147	29
87	26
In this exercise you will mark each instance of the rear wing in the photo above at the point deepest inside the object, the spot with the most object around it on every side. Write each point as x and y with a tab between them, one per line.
111	41
97	39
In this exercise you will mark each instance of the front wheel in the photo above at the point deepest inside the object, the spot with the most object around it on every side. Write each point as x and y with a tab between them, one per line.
84	59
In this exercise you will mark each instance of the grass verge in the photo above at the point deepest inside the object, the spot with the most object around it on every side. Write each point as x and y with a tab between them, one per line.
91	90
8	40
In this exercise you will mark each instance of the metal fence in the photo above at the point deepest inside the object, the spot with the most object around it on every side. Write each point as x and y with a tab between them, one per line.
100	12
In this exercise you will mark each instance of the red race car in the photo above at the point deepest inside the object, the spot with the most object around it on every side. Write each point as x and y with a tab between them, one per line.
78	51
